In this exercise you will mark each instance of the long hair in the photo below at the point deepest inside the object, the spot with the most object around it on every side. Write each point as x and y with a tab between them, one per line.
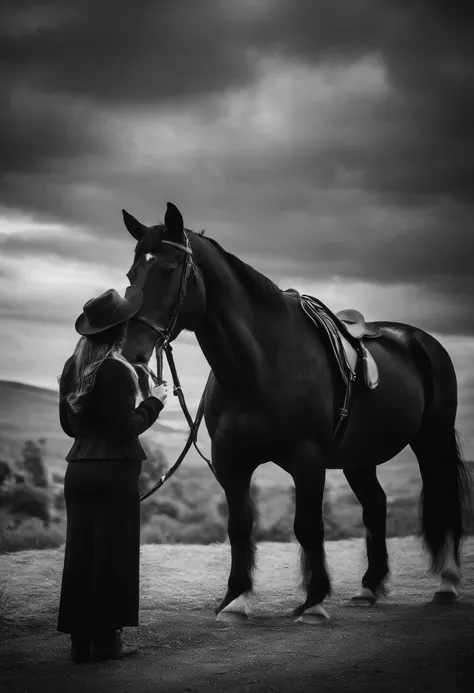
90	352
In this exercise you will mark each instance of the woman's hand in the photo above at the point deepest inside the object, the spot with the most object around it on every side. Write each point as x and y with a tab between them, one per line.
160	392
146	379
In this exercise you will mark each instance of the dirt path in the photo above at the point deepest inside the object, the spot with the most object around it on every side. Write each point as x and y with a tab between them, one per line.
405	644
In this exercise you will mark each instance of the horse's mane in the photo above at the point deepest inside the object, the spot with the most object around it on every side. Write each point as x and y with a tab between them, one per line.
256	283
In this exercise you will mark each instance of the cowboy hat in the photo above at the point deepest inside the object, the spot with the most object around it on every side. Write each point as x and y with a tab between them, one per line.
108	309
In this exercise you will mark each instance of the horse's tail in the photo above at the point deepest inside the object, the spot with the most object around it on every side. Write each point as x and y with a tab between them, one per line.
446	494
445	497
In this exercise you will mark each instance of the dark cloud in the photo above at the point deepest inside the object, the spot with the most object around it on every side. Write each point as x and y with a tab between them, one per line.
157	53
376	186
116	52
83	248
40	131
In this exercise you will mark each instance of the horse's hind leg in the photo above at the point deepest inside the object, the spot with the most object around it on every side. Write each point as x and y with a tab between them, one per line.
373	500
309	476
445	493
235	480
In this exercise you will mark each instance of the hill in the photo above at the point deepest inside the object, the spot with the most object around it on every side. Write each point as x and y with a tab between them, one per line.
191	508
30	412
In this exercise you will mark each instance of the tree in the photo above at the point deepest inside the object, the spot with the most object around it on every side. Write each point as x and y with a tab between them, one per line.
5	471
24	500
32	462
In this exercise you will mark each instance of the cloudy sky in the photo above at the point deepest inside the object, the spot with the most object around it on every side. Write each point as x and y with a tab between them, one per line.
329	143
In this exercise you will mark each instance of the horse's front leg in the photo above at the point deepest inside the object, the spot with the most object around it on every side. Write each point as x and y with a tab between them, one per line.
235	480
309	474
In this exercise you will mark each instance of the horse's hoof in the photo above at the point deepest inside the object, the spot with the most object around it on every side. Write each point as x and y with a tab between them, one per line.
234	617
362	601
366	598
445	598
314	616
237	612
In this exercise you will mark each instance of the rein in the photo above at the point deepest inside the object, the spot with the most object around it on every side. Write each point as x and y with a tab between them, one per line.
193	425
166	332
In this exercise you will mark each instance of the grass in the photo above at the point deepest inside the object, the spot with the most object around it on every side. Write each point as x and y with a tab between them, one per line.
5	603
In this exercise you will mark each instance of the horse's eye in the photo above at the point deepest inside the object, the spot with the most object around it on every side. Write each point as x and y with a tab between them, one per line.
149	256
168	269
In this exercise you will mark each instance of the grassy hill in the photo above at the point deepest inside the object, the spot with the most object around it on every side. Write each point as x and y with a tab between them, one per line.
30	412
190	508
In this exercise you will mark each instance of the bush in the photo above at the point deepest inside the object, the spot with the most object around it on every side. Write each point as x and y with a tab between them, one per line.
6	471
161	506
165	530
59	502
403	517
29	533
32	462
280	531
57	478
25	500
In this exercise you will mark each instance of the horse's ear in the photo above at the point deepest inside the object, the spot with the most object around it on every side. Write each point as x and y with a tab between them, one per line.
174	221
133	226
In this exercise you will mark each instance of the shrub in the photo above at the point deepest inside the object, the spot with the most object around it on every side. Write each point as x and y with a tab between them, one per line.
6	471
25	500
59	502
165	530
32	462
280	531
161	506
403	517
30	533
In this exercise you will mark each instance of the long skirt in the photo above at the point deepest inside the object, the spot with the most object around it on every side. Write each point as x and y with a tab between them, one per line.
100	584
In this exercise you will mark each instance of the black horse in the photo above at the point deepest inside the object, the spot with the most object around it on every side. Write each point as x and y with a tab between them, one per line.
275	393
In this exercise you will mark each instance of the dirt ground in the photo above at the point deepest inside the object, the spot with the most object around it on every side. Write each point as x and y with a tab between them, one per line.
403	644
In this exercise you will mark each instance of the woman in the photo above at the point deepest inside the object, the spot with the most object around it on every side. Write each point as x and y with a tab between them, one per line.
98	394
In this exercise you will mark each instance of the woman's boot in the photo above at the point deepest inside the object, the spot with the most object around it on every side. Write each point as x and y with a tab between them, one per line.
109	646
80	647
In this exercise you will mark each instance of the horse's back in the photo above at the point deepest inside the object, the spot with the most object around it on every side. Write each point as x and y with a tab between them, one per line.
413	367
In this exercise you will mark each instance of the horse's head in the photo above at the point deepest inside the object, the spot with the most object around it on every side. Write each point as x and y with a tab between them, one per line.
173	289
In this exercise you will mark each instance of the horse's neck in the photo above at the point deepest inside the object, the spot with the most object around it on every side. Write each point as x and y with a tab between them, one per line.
235	333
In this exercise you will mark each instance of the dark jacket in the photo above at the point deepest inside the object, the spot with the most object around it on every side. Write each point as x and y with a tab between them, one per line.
108	424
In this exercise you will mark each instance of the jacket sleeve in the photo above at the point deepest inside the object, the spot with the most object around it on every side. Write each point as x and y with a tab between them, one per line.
63	405
117	402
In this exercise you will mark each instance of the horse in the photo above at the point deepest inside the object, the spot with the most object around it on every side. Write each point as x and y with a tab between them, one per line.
274	394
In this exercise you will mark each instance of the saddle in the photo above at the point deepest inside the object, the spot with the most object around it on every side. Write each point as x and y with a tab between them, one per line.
345	331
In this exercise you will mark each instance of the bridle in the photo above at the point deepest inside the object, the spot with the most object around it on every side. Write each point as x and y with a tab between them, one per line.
167	331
